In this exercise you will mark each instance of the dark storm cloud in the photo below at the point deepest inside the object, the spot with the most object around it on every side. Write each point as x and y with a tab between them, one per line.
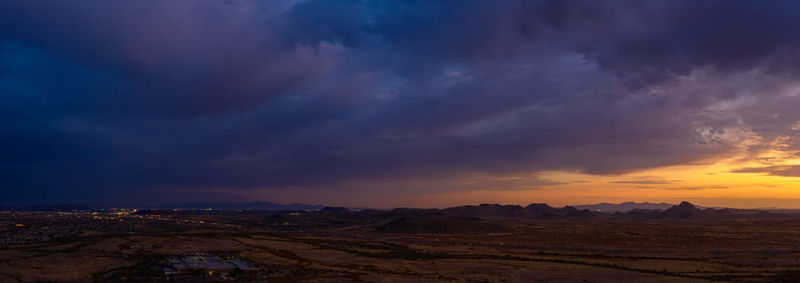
116	100
176	57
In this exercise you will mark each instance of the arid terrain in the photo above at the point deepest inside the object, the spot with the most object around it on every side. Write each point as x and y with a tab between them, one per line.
488	243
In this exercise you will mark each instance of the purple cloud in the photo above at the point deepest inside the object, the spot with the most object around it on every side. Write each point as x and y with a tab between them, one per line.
116	100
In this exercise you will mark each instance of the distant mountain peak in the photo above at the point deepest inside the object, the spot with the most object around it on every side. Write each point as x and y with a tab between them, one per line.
686	205
542	205
683	210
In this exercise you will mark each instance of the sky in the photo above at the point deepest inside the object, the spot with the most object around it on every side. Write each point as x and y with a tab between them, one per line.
400	103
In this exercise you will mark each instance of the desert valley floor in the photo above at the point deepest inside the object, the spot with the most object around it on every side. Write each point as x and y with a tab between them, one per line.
403	245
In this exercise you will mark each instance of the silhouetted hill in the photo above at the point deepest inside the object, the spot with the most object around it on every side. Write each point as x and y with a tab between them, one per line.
575	212
686	210
624	207
683	210
486	211
541	209
334	211
438	225
414	212
536	210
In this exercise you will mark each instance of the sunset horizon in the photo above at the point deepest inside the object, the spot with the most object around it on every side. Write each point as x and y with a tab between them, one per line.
464	103
399	140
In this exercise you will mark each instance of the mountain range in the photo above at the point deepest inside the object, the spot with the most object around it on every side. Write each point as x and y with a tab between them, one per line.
624	207
684	210
643	210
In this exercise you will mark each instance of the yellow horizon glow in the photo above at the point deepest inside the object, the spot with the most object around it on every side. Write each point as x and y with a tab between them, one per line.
709	183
